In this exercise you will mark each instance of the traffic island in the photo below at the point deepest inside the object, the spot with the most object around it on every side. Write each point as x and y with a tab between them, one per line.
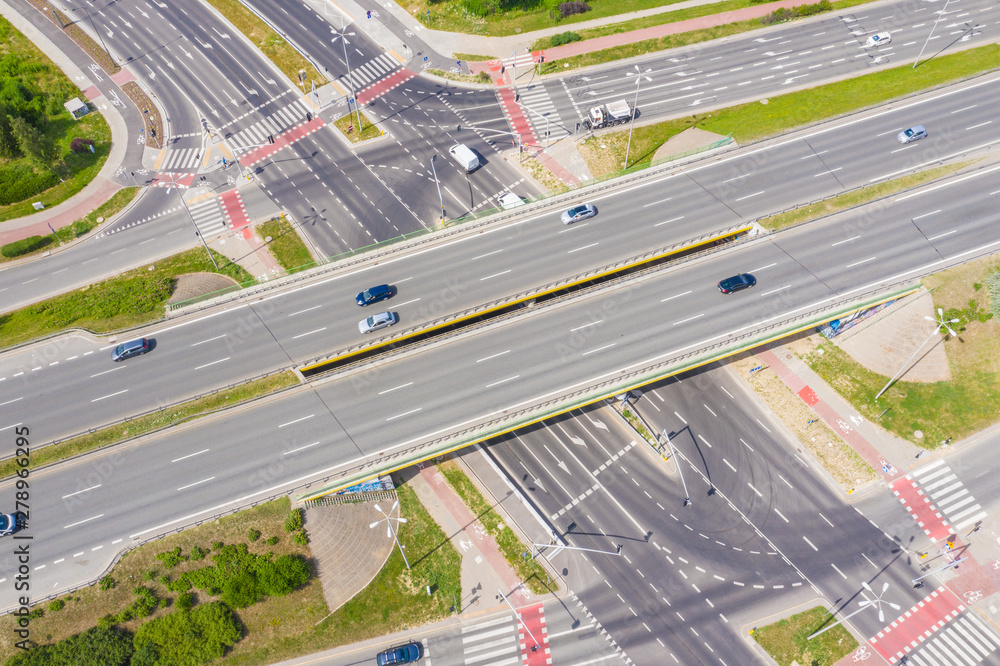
349	127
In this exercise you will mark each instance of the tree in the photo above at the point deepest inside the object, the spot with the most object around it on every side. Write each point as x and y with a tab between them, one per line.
35	145
189	637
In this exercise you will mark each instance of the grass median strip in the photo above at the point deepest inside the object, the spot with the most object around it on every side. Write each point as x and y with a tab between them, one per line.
287	247
170	416
857	197
528	570
605	153
786	641
133	298
280	52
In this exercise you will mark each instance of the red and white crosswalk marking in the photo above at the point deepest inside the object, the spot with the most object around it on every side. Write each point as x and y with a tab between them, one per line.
916	625
234	209
534	641
384	85
281	141
920	507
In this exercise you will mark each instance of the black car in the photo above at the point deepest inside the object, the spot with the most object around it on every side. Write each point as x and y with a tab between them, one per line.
130	349
404	654
737	282
374	295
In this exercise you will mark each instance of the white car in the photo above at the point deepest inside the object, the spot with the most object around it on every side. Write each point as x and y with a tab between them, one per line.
878	39
376	322
509	200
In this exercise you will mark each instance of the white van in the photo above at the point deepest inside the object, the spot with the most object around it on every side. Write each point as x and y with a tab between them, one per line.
467	159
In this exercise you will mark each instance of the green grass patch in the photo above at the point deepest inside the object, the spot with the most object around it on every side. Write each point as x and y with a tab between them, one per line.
481	78
281	53
605	154
396	598
85	224
348	126
23	180
142	425
266	622
473	57
940	410
452	15
666	42
528	570
130	299
286	245
857	197
785	640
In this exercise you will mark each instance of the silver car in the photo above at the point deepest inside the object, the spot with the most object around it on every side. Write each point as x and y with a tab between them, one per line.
375	322
577	213
914	133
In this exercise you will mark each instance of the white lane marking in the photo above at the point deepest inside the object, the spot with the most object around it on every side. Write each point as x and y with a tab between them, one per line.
315	307
858	263
212	363
824	173
674	219
105	396
846	240
81	522
399	305
218	337
775	291
495	275
592	351
296	421
399	416
964	108
750	195
585	247
593	323
488	254
302	335
301	448
782	515
658	202
684	321
82	491
191	485
10	401
811	544
979	125
107	371
486	358
502	381
920	217
754	489
190	455
673	297
947	233
827	521
395	388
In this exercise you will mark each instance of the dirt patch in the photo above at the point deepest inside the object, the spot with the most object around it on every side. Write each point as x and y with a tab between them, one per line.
194	285
689	139
841	462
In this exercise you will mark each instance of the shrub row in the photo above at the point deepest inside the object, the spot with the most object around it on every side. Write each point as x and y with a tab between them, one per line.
782	15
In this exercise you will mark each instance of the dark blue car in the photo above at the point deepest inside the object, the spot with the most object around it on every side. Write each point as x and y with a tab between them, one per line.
737	282
404	654
374	295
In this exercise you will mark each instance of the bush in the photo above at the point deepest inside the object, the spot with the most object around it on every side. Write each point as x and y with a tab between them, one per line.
108	646
106	583
241	590
993	286
193	636
20	180
172	558
24	246
199	554
182	584
217	545
79	145
149	575
56	605
301	538
271	541
782	15
186	600
564	38
165	580
253	535
35	614
575	7
294	521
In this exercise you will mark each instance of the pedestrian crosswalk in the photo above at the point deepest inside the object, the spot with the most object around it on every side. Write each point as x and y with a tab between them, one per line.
368	73
181	159
541	112
965	641
491	643
208	217
271	125
949	495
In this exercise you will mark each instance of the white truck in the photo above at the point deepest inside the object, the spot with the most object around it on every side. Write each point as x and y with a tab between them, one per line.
606	115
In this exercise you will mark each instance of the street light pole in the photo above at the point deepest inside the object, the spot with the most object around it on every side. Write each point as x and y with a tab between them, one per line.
436	182
639	76
940	323
523	625
350	78
392	532
926	41
673	454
